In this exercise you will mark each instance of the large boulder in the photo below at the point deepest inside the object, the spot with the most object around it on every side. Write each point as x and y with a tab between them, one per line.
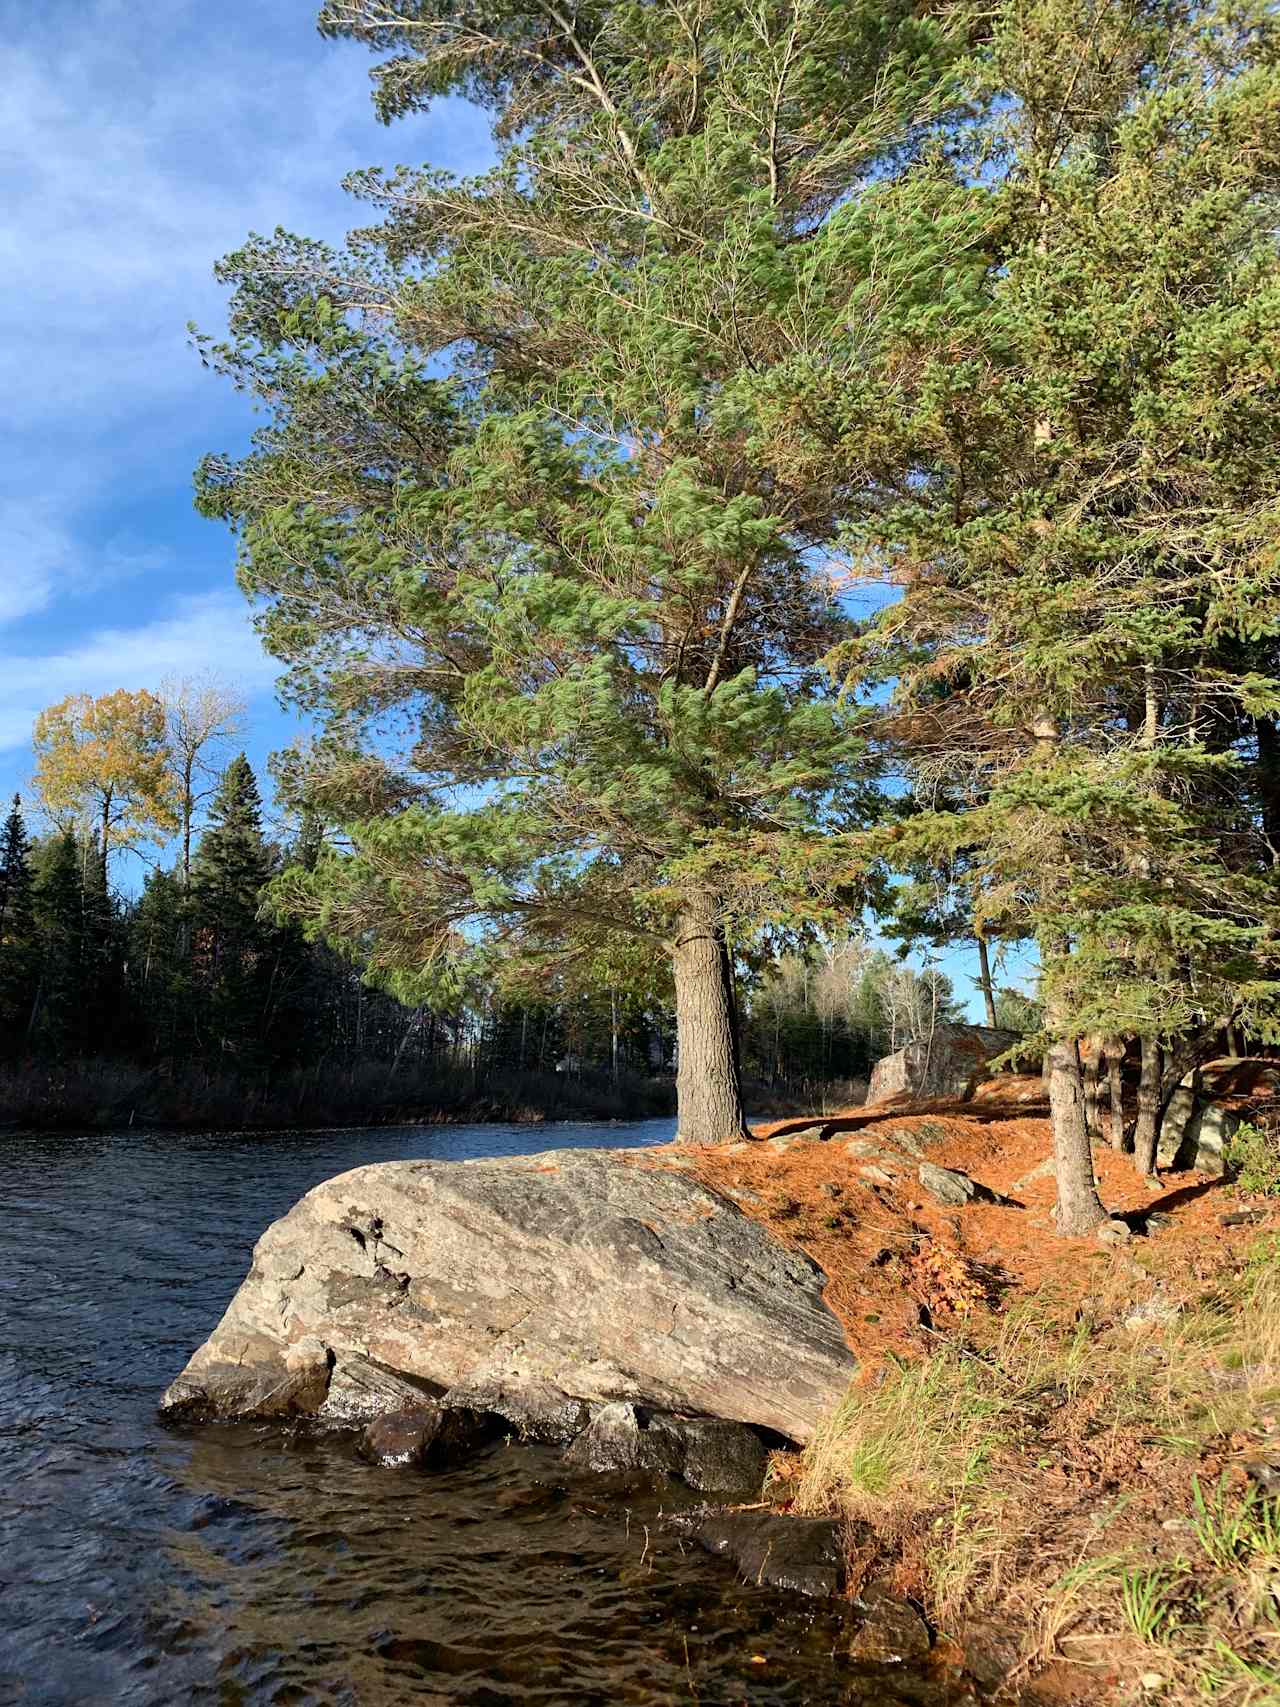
947	1064
538	1288
1208	1105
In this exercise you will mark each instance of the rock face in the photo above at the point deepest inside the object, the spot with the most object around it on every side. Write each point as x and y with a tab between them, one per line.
535	1288
1206	1108
944	1065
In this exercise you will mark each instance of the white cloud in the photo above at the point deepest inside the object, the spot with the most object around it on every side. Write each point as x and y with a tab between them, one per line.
36	552
137	145
201	632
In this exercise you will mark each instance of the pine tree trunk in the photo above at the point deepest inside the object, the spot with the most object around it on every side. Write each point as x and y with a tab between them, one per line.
1146	1134
1115	1086
985	984
708	1080
1079	1206
1091	1083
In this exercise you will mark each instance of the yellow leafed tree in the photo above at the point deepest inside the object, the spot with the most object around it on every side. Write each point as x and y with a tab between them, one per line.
105	763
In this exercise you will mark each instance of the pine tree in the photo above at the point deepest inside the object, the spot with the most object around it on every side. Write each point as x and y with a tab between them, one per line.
576	568
19	949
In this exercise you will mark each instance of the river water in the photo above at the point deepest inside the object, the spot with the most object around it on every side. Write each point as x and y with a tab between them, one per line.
143	1565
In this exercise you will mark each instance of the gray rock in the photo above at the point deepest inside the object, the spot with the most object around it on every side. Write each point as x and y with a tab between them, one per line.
621	1437
891	1632
1264	1473
803	1554
1154	1312
260	1378
724	1458
712	1455
947	1185
1113	1232
530	1286
1195	1130
360	1390
948	1064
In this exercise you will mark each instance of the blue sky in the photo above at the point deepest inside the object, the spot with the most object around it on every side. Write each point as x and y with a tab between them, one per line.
139	141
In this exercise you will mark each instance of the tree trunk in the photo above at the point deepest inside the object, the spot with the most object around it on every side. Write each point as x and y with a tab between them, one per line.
985	984
1079	1206
708	1080
1146	1134
1115	1085
1091	1084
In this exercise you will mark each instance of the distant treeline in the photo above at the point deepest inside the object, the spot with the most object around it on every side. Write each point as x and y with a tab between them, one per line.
190	1005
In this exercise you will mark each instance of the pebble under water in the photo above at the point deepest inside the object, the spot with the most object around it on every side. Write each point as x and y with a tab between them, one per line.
242	1566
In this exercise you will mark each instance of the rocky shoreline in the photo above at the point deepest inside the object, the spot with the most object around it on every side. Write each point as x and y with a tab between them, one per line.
594	1299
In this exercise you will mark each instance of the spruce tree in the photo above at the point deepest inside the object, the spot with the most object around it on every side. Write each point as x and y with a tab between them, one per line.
19	948
59	910
162	996
233	947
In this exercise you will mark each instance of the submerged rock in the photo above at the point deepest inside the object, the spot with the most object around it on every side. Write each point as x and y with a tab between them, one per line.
892	1631
803	1554
535	1287
421	1434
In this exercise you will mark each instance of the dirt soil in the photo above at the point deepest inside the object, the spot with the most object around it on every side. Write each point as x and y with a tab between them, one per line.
845	1188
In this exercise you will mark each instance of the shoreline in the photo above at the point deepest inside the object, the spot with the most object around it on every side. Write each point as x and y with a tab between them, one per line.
1065	1452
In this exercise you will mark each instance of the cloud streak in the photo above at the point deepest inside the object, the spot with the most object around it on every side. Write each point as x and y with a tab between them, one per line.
138	145
203	632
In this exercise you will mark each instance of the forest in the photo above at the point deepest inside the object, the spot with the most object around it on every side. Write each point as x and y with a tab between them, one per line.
184	1000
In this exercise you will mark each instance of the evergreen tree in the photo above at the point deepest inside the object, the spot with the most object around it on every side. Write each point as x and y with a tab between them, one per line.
19	948
59	909
1087	543
233	948
574	569
160	975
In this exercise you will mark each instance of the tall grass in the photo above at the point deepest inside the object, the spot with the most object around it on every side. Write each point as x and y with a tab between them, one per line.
959	1451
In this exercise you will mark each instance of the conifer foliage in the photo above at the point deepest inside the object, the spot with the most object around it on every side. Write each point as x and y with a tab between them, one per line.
19	944
569	580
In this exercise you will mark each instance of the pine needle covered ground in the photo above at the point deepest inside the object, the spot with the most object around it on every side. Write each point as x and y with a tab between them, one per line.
1046	1447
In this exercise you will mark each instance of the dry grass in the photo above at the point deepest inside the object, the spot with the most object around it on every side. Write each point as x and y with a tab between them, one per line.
1078	1480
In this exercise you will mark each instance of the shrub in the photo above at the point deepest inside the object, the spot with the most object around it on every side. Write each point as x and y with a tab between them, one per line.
1253	1160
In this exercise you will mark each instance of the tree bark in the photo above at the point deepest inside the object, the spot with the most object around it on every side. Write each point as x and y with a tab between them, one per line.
708	1078
1146	1134
1091	1083
1080	1208
985	984
1115	1086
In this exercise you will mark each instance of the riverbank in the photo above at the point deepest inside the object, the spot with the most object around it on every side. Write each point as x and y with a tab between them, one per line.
1060	1449
103	1096
106	1096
